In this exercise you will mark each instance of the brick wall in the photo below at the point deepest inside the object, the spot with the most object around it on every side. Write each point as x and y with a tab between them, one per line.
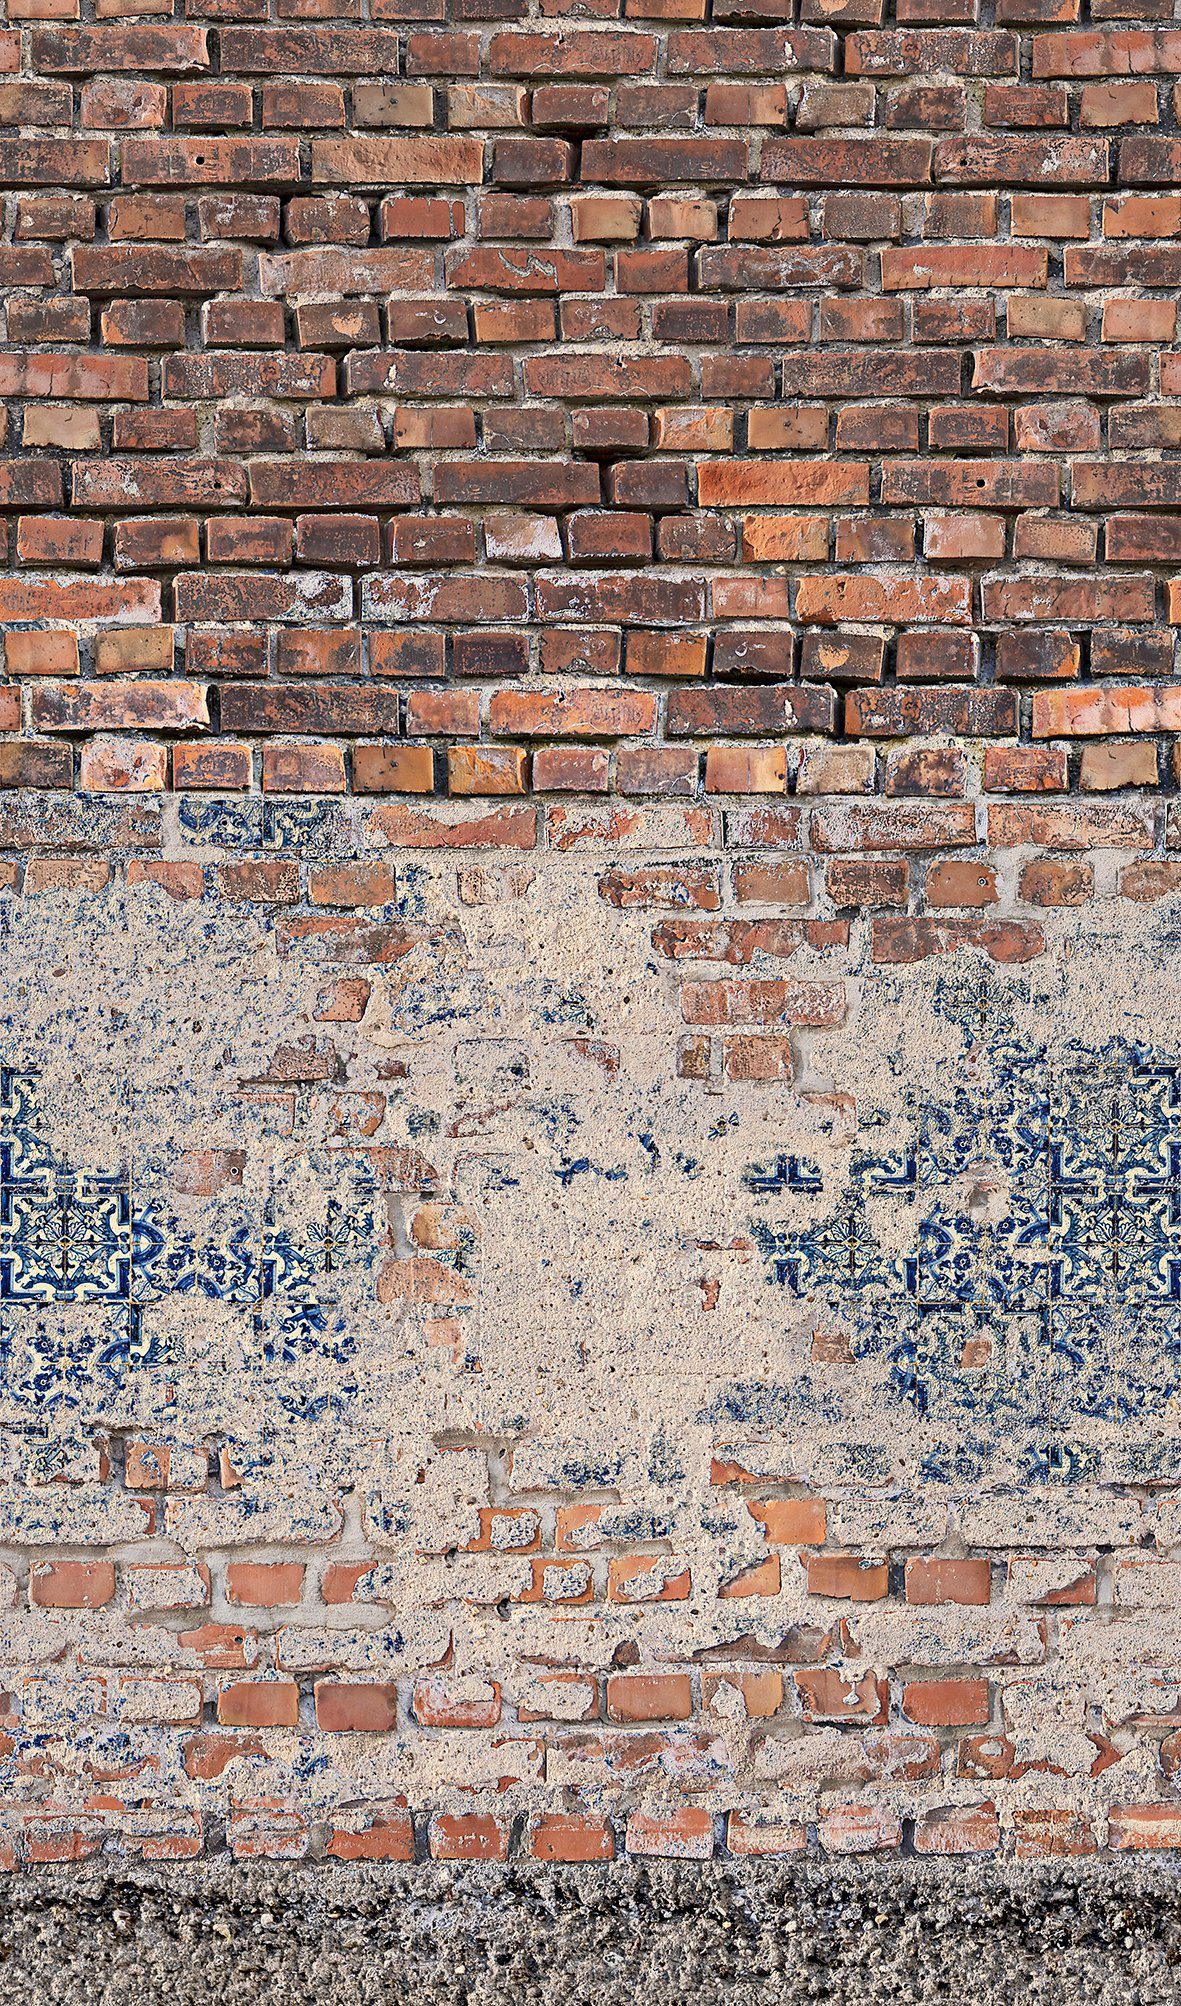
590	1233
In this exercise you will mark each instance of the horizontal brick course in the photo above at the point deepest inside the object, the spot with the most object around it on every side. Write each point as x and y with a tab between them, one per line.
765	315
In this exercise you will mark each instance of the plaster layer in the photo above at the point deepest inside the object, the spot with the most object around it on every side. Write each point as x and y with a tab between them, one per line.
441	1420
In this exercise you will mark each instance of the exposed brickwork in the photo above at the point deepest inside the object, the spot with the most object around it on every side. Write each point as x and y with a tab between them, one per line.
597	548
479	403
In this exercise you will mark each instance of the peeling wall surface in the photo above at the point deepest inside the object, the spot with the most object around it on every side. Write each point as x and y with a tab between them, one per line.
420	1397
590	1046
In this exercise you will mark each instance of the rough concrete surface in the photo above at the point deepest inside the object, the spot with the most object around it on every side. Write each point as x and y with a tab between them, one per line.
863	1934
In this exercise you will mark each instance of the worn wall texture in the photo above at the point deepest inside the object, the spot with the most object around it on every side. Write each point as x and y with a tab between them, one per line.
590	1044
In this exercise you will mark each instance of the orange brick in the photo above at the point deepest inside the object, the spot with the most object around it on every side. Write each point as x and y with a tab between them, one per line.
946	1702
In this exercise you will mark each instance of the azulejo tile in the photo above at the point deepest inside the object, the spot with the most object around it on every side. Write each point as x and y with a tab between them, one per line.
111	1243
229	824
1065	1306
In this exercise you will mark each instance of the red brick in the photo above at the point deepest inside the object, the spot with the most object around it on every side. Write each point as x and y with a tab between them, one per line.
1052	1834
859	1828
71	1584
387	1836
826	1694
967	1582
1144	1827
259	1703
946	1702
636	1696
671	1835
435	1705
958	1828
356	1709
958	883
1049	881
470	1835
303	769
900	941
569	1835
844	1575
264	1584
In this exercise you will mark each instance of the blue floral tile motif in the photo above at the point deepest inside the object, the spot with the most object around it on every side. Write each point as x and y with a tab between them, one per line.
1040	1275
97	1240
317	828
63	1237
314	828
230	824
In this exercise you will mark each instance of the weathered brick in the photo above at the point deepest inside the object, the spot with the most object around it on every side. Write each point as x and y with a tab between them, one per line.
756	441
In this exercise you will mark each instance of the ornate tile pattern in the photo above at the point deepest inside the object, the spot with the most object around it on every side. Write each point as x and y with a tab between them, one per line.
107	1241
1044	1200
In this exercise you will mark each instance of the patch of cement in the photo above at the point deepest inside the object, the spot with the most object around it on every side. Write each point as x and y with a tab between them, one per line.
864	1934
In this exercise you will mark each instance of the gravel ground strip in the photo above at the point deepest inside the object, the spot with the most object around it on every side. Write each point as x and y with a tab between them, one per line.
627	1935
